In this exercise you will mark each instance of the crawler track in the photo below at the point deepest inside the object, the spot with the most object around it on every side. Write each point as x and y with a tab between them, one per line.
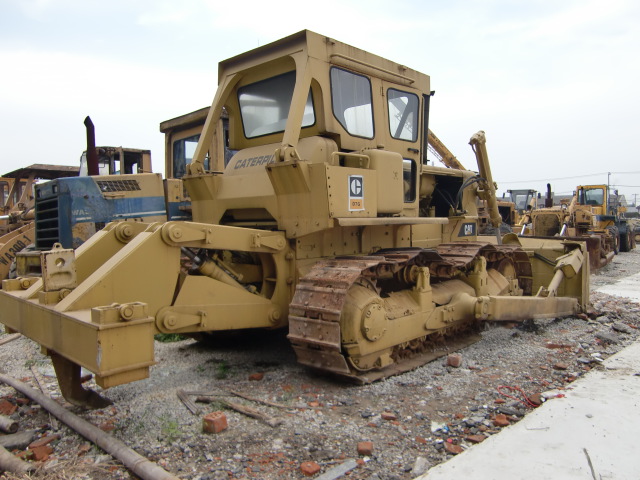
317	306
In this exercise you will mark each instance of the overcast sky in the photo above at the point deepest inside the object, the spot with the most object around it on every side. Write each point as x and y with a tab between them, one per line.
554	83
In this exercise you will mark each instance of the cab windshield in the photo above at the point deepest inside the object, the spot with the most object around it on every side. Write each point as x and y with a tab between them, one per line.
591	196
104	165
264	105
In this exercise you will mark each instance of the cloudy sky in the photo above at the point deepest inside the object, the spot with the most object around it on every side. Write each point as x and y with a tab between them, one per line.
554	83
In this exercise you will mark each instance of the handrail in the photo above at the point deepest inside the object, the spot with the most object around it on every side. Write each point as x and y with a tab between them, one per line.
353	155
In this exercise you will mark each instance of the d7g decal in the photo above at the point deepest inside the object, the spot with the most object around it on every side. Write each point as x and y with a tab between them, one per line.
356	192
467	230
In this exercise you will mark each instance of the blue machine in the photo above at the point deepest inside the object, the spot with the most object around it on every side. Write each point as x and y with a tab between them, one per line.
70	210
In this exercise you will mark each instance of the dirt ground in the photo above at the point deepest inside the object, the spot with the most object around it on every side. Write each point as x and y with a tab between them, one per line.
393	429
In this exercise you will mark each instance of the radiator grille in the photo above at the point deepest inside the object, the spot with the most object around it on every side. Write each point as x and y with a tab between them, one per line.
47	221
106	186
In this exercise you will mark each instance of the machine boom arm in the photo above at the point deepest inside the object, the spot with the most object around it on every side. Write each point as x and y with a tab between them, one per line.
478	143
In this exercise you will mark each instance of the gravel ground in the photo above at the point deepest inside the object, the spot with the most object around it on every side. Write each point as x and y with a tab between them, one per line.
413	421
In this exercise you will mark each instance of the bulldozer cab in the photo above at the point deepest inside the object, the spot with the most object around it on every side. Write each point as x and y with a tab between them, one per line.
524	199
181	138
595	199
118	161
307	97
323	89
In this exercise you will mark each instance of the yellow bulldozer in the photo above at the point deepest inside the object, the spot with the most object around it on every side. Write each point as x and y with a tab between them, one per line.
326	220
593	216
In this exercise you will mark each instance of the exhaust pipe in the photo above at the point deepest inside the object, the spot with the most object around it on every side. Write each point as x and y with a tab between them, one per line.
548	201
92	154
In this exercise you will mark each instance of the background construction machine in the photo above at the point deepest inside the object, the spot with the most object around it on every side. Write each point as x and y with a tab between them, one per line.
115	183
607	214
71	210
506	208
592	216
327	219
524	201
120	187
17	230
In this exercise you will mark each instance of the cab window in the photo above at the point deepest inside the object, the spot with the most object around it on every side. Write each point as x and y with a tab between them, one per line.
4	192
351	102
409	172
183	151
592	196
403	114
264	105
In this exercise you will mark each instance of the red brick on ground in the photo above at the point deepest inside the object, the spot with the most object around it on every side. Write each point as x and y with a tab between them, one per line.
310	468
454	360
214	422
501	420
536	399
365	448
475	438
44	441
41	453
451	448
7	408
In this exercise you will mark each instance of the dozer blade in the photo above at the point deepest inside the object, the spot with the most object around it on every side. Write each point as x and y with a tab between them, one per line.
99	325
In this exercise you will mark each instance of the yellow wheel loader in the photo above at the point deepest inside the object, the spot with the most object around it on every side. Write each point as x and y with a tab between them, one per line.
327	220
593	216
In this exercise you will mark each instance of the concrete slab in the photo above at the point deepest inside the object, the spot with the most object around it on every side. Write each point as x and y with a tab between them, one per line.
590	434
629	288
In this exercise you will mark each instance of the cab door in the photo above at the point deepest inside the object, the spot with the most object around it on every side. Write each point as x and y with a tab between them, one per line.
402	130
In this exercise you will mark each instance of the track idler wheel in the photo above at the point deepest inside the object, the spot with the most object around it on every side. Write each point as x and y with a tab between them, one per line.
68	374
364	322
374	321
